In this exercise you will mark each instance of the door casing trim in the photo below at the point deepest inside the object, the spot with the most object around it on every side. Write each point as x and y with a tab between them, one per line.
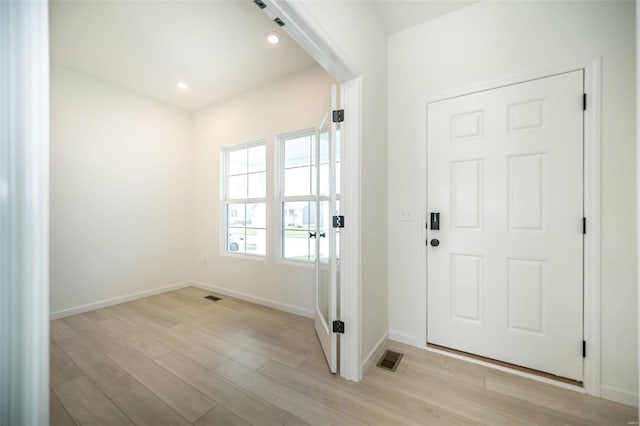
319	44
592	257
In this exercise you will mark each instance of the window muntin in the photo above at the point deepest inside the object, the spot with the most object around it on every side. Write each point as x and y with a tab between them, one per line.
245	199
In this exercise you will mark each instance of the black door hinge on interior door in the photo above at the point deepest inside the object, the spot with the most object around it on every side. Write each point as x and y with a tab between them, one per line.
337	116
338	327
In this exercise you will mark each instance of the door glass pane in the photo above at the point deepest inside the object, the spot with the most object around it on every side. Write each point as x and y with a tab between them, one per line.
324	180
338	157
324	267
324	229
324	146
338	143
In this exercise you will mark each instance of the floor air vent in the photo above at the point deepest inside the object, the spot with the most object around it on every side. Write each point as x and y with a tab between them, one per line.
390	360
213	298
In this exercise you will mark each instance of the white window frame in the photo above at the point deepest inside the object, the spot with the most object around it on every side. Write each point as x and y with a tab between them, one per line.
280	198
224	201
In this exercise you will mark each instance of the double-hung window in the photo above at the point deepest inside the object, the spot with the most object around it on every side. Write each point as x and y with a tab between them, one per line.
298	195
245	197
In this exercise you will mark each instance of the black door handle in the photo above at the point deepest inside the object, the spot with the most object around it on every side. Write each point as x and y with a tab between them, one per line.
435	242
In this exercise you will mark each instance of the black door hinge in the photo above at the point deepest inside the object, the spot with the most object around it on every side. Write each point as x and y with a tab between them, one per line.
260	4
584	101
337	116
584	225
338	221
338	327
584	349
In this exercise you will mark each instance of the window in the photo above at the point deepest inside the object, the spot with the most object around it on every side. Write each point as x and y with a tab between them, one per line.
245	192
298	195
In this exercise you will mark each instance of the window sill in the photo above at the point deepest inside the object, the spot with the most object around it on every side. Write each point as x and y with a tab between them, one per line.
258	257
291	262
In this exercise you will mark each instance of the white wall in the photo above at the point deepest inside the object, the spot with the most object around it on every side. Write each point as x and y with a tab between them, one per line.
121	192
496	40
296	102
356	30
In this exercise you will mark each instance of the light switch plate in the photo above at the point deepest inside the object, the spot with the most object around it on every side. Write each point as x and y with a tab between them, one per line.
406	216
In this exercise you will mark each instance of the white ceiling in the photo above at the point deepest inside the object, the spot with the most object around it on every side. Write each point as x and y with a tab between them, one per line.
397	15
218	46
147	46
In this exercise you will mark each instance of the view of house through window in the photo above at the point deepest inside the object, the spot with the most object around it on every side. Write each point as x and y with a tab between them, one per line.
245	199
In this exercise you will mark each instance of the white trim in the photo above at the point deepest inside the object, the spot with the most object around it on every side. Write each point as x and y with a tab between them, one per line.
515	372
407	339
619	395
302	28
637	169
592	143
350	289
592	256
116	300
377	348
255	299
24	213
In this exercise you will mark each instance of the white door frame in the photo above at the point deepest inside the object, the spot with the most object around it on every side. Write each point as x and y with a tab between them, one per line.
592	140
300	26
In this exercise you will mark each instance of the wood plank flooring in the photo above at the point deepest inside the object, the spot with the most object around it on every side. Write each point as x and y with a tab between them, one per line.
179	359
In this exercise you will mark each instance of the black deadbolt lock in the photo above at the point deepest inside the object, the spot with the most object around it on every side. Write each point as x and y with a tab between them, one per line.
435	221
435	242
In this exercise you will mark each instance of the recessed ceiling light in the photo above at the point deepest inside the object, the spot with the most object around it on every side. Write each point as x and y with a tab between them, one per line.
273	38
183	85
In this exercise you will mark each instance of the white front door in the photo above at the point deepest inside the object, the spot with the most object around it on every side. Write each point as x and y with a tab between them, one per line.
505	174
327	190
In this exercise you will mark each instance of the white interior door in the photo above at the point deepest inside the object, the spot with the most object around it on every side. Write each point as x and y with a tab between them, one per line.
505	173
326	241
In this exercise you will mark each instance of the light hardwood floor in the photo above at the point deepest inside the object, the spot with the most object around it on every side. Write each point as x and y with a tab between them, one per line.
179	359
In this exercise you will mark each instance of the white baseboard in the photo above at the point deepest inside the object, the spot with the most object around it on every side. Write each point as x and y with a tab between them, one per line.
407	339
371	356
257	300
619	395
116	300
